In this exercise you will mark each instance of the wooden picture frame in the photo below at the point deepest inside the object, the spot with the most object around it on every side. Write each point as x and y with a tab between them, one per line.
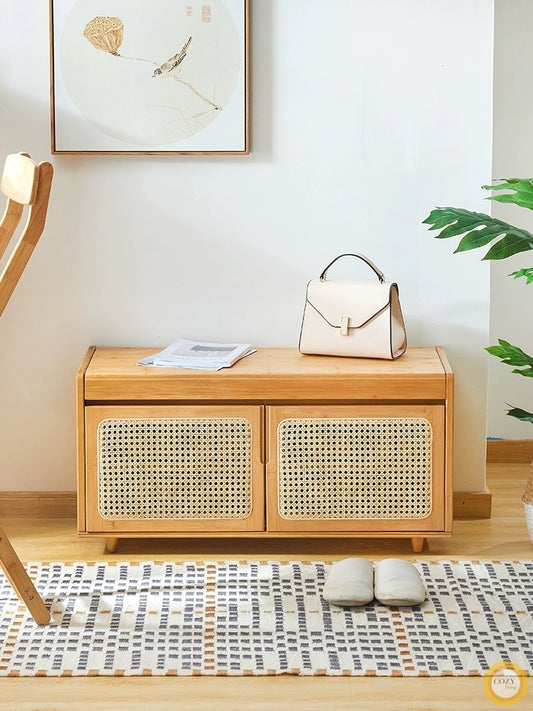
149	76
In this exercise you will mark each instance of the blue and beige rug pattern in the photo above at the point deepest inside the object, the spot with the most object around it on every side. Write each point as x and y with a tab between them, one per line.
263	618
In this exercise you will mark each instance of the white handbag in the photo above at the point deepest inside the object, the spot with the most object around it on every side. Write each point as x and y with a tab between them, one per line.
353	318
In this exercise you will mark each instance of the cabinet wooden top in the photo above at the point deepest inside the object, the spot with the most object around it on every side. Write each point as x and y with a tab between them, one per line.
269	375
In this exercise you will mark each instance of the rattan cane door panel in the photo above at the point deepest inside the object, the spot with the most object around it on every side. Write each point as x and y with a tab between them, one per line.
174	468
356	468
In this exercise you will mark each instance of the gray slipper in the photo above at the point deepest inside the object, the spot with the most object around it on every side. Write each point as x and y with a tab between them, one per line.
349	583
398	582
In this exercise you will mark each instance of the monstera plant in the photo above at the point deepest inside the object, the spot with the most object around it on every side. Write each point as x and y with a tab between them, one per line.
477	230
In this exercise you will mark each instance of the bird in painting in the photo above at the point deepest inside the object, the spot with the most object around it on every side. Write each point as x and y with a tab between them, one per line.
173	65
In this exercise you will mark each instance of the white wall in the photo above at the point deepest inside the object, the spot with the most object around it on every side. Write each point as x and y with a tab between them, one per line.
365	115
512	300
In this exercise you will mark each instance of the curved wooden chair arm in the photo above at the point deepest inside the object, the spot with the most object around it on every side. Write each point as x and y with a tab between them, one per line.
24	183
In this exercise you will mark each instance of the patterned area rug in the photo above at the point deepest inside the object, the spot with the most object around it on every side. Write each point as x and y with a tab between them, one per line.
263	618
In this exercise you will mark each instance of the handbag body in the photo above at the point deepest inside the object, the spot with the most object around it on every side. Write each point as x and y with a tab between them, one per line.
360	319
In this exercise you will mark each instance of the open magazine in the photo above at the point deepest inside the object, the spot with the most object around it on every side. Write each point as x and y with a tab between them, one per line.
198	354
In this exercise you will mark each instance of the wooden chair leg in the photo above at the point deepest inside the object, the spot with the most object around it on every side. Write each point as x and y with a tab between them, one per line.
21	582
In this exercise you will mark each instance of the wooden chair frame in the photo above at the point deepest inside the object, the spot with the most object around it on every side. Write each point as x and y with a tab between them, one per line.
25	184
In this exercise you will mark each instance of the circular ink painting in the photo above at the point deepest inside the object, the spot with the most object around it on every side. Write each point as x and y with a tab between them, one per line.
150	72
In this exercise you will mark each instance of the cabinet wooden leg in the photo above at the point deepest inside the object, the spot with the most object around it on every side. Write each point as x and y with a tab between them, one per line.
418	544
111	544
21	581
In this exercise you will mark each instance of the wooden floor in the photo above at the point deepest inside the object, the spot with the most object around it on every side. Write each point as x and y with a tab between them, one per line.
502	537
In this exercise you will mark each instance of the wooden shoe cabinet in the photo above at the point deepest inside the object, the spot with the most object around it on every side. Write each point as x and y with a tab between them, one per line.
279	445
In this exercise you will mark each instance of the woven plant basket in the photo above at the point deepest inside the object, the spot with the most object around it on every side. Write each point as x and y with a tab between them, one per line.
527	499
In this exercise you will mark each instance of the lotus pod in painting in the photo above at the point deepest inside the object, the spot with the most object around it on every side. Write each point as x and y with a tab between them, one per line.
105	33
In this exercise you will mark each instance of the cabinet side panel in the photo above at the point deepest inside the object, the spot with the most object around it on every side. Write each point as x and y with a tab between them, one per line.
80	437
449	431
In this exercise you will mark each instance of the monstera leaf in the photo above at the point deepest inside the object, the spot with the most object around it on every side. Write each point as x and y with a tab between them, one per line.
521	191
520	414
527	273
478	230
512	355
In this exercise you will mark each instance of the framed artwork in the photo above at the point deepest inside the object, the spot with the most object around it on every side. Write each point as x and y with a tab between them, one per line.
149	76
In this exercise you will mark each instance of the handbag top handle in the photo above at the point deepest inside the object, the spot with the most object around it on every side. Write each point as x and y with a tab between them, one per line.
379	273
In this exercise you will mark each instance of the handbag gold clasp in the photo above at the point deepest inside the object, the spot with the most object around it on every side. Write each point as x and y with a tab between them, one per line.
345	325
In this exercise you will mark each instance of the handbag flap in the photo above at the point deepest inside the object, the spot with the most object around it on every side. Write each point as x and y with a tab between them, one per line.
359	301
